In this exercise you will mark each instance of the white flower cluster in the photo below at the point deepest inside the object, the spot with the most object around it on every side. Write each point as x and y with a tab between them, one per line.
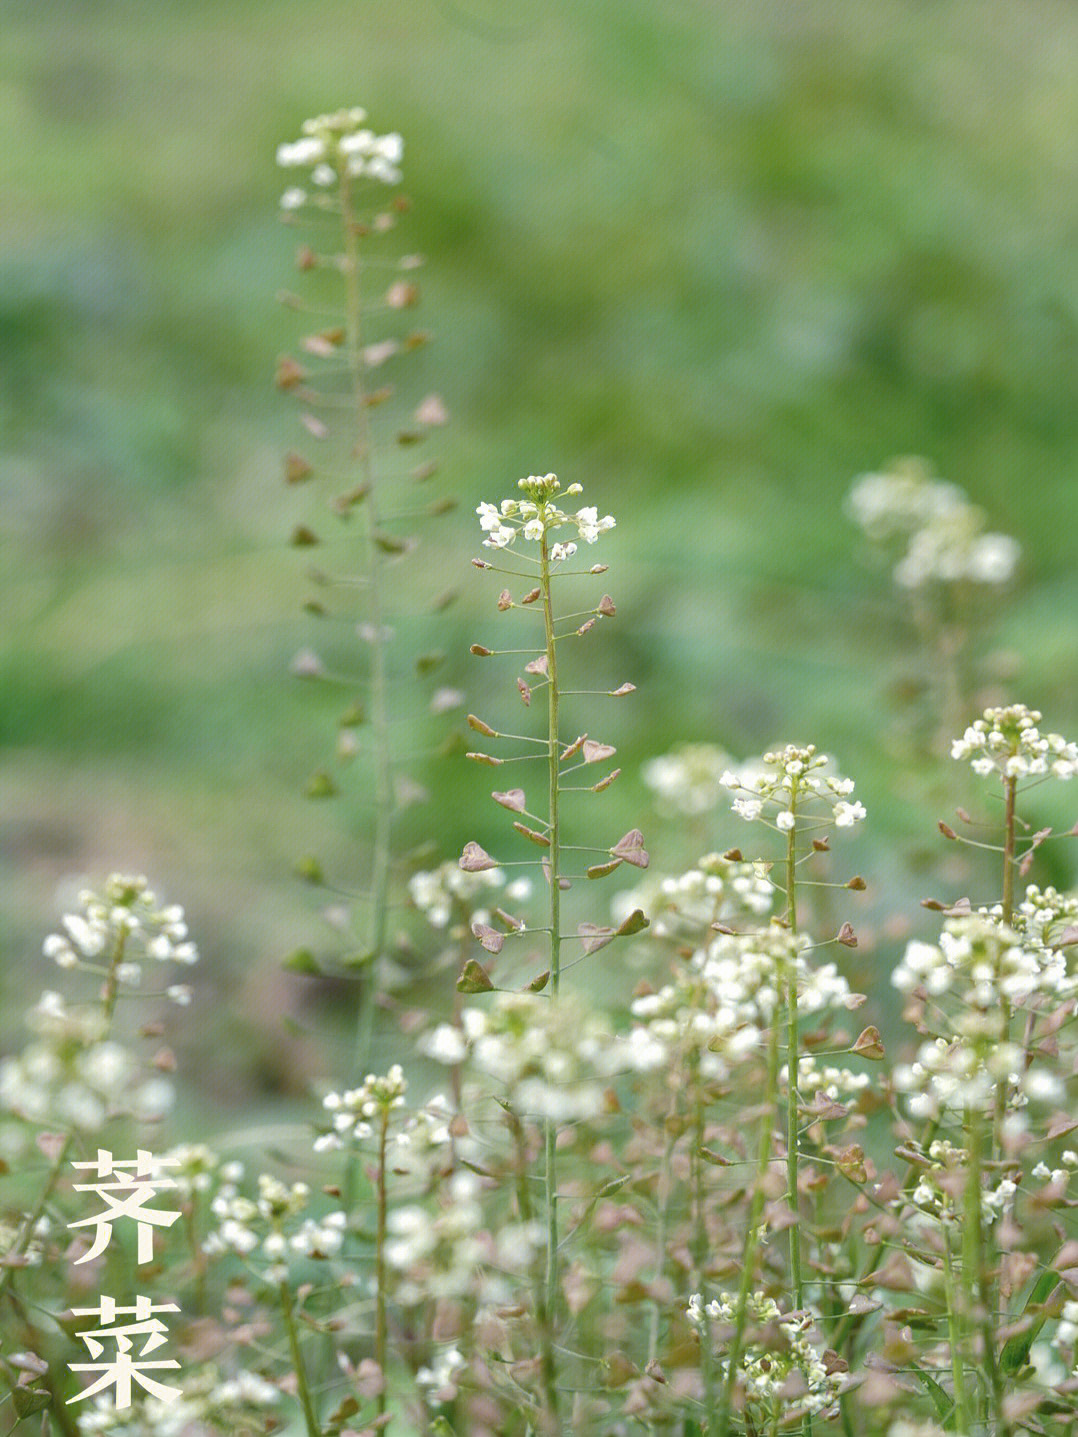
953	1075
436	892
196	1168
34	1250
943	531
440	1378
686	904
1008	741
355	1110
73	1075
723	1003
687	780
266	1226
208	1402
766	1367
551	1061
124	921
982	962
1068	1157
1042	916
446	1252
537	515
829	1081
338	144
939	1199
781	781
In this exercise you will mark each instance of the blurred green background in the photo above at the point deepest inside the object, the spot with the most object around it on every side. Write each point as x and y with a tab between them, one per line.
712	258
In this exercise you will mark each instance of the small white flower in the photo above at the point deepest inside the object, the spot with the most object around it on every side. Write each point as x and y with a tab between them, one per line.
847	814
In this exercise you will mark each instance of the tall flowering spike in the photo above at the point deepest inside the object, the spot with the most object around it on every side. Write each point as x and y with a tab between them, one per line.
1008	741
361	500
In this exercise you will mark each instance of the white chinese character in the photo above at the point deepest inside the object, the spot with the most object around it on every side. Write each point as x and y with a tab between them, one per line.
124	1368
140	1186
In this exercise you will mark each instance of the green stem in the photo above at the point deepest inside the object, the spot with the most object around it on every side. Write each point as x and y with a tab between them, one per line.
309	1416
1010	790
721	1425
553	870
793	1072
699	1241
976	1264
380	1324
665	1186
548	1366
383	767
954	1333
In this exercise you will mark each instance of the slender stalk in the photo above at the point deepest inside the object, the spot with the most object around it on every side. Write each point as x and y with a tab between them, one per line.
720	1425
548	1367
306	1401
380	1324
26	1231
793	1069
550	1135
1010	791
976	1264
699	1239
666	1183
954	1333
383	765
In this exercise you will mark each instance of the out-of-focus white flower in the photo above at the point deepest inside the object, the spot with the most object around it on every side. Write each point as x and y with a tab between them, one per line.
1009	741
943	530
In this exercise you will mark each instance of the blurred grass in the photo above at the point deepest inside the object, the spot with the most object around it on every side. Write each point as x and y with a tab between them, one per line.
711	259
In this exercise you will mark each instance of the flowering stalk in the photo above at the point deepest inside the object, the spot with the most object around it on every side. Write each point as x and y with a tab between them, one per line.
792	1064
340	156
553	832
753	1230
310	1417
955	1343
547	1359
380	1324
535	517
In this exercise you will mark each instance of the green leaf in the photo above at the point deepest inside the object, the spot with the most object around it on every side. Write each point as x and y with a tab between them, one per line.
28	1400
945	1408
320	785
309	869
1016	1349
302	960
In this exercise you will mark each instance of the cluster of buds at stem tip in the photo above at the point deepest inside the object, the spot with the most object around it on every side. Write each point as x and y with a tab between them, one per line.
780	786
537	515
339	145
